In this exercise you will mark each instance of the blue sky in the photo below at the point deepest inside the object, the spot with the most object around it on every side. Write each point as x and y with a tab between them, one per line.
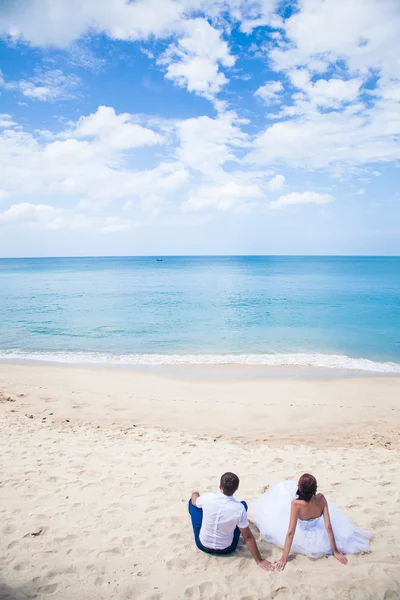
199	127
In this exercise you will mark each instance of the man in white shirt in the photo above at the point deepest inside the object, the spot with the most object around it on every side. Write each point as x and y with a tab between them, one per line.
219	519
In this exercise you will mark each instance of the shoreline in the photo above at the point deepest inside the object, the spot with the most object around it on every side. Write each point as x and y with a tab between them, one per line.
232	404
217	371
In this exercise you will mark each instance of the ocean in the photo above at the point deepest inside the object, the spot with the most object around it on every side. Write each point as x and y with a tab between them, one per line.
333	312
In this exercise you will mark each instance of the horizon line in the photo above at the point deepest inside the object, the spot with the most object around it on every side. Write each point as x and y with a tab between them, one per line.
200	256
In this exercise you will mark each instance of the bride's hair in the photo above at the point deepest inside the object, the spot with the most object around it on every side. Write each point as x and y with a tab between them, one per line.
307	487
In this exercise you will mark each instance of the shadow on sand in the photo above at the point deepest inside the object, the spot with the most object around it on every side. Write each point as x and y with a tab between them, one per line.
16	593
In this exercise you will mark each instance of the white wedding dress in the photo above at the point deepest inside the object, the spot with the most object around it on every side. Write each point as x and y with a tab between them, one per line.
271	513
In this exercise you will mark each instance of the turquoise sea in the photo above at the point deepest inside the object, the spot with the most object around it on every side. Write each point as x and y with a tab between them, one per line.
341	312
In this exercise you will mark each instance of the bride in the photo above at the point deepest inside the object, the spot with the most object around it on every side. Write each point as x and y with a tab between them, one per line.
294	517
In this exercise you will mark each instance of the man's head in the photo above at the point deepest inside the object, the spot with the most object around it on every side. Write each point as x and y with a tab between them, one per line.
229	484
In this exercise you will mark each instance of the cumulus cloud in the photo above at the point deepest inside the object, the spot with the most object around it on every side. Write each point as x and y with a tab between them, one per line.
335	93
44	22
301	198
364	33
25	212
118	131
230	196
276	183
352	137
270	92
206	143
88	159
193	61
344	110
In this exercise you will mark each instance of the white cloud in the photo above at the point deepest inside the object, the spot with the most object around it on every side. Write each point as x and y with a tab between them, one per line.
43	216
25	212
119	132
340	110
49	23
301	198
232	196
6	120
49	85
364	33
115	224
206	144
352	137
335	121
45	23
360	192
276	183
88	160
270	92
332	92
257	14
193	61
235	191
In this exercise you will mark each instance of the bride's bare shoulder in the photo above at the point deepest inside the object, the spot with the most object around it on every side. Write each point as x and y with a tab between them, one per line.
297	502
320	498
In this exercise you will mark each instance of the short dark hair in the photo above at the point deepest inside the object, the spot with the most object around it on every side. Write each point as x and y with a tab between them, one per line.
229	483
307	487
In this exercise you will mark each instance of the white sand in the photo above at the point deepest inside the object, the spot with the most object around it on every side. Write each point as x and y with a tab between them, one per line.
108	490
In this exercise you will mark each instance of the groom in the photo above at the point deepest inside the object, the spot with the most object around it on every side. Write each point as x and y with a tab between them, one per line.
219	519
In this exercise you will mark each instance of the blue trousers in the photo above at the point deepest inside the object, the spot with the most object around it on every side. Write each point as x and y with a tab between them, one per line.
196	514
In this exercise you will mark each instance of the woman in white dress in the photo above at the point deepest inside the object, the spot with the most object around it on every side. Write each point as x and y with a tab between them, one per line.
294	517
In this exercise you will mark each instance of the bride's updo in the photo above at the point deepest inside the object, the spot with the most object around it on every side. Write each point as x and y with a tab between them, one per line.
307	487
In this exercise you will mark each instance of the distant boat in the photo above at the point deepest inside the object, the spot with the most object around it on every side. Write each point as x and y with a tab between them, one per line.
159	259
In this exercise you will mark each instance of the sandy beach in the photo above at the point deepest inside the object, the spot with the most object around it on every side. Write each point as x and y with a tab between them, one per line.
98	465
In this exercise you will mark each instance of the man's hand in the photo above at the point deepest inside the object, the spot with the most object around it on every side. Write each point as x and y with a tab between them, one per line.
280	564
266	565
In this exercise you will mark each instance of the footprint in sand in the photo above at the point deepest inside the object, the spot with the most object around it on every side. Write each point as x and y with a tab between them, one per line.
49	589
177	563
281	593
116	550
9	529
203	591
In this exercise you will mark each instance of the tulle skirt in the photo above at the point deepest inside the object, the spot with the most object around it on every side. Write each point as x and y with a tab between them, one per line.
271	513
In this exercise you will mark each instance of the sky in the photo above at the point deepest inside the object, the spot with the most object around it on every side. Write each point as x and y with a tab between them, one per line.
157	127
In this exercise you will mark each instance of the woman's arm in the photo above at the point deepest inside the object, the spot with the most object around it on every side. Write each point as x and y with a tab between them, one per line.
328	526
294	513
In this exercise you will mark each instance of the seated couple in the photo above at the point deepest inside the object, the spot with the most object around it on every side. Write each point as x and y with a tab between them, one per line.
291	516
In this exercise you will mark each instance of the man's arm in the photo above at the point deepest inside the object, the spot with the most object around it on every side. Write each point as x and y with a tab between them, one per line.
252	546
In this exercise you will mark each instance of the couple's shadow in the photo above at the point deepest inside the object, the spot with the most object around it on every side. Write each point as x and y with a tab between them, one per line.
268	551
22	592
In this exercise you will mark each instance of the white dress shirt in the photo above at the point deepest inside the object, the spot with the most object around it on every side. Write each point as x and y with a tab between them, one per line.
221	515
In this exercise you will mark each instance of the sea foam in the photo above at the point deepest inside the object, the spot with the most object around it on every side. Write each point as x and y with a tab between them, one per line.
327	361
